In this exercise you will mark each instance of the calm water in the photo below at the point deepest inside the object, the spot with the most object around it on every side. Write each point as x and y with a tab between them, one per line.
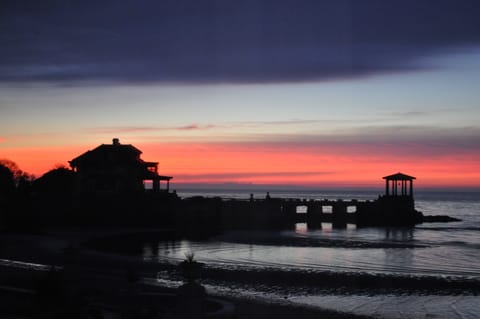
441	249
446	248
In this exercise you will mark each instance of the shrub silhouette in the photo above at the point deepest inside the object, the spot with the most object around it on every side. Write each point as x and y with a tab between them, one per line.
7	183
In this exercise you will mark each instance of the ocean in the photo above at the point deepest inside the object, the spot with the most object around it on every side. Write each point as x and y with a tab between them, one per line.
447	250
443	248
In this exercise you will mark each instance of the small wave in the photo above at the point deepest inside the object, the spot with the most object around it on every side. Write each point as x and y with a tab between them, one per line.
316	280
453	243
318	242
28	265
456	229
460	244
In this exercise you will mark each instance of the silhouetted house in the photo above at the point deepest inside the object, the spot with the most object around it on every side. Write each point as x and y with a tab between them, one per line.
116	168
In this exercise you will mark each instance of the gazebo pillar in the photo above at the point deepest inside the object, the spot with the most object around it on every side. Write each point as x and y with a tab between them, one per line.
399	185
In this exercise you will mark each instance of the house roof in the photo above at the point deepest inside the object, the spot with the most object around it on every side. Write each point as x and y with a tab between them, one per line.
116	148
399	177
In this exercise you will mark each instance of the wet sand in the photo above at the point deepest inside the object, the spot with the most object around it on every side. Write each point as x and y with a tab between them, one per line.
99	278
105	274
304	280
261	310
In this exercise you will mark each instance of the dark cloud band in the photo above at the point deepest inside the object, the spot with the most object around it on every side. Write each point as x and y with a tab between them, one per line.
189	41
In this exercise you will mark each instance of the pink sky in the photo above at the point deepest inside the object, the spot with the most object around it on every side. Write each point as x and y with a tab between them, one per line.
308	164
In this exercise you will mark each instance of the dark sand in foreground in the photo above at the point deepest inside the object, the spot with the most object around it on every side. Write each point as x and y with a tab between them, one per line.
99	278
102	277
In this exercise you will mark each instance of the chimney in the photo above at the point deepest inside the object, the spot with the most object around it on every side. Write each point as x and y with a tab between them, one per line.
116	141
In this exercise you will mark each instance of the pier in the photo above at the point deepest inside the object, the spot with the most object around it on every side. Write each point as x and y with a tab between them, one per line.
394	208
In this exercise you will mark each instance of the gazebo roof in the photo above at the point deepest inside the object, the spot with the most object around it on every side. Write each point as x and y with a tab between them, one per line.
399	177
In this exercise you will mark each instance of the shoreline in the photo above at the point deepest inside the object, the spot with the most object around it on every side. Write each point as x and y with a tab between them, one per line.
67	249
315	280
77	248
96	271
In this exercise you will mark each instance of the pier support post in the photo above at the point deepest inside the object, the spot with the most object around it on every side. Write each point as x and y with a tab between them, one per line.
314	215
339	212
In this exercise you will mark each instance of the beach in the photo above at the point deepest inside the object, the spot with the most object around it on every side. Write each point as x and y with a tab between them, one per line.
96	278
99	277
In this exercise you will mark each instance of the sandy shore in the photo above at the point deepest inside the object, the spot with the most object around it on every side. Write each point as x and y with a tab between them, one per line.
90	277
298	280
260	310
100	276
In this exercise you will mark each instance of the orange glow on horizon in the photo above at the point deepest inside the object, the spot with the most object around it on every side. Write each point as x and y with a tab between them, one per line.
272	164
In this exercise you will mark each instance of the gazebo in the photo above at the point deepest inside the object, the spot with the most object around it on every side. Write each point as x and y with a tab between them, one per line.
399	185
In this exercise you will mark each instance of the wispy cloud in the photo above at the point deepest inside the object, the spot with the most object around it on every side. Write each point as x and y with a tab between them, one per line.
122	129
143	129
409	114
292	122
194	127
421	140
401	141
394	133
203	127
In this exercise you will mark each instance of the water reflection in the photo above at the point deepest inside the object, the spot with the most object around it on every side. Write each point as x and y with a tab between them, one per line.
399	234
401	259
147	252
301	228
305	228
326	249
327	227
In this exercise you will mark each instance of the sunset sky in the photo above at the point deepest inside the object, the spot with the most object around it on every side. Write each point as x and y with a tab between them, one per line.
290	92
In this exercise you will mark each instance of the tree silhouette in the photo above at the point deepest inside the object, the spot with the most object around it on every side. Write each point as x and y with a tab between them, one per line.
21	179
7	183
